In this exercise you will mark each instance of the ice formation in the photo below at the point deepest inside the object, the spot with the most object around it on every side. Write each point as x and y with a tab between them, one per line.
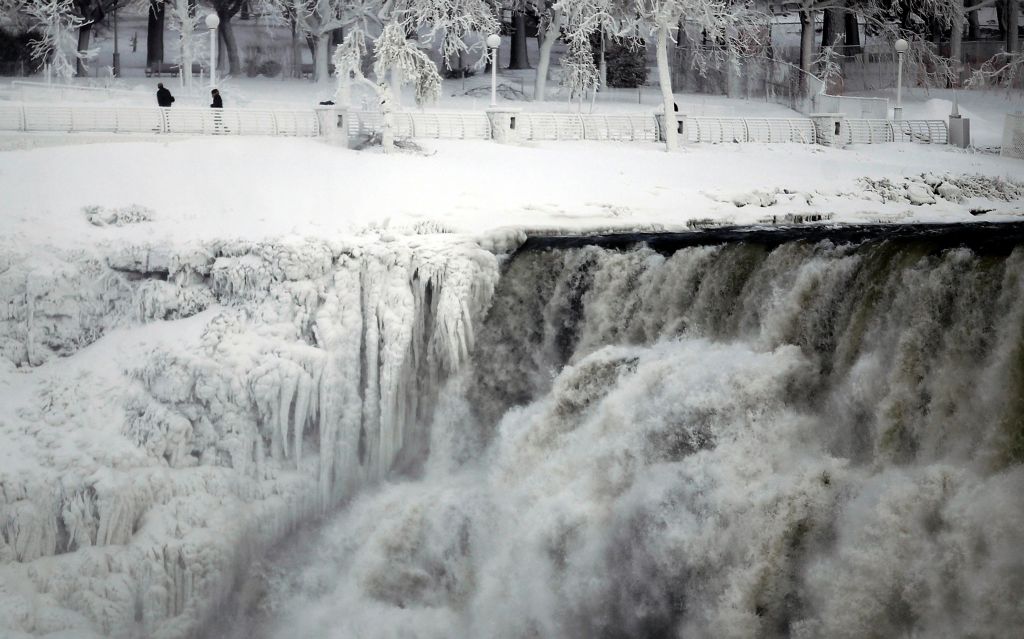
300	371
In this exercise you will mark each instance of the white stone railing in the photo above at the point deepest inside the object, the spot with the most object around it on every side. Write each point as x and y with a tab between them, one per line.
90	119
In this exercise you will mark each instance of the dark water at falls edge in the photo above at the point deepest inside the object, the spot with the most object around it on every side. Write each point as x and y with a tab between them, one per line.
984	237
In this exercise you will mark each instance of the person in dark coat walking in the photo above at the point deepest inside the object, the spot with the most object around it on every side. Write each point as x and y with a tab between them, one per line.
218	123
163	96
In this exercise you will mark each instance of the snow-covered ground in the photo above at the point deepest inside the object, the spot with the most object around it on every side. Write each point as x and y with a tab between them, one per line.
161	297
259	188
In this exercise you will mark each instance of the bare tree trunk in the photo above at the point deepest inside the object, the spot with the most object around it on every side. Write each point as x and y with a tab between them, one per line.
296	50
834	32
544	61
155	34
518	58
227	35
667	100
321	68
852	33
1012	27
827	34
973	26
84	33
956	42
806	39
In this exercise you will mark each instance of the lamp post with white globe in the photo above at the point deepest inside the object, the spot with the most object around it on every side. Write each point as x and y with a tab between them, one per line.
493	42
901	46
213	21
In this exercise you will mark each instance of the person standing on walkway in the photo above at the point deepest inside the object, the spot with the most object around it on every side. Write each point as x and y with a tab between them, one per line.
218	122
163	96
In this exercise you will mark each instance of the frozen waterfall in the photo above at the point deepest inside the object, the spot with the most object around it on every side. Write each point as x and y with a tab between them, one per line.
764	437
813	432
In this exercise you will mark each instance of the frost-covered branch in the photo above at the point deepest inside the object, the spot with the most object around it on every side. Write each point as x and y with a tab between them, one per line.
394	52
57	45
451	21
1002	69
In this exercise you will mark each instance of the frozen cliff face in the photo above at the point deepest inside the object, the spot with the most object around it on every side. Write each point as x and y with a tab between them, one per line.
211	400
805	440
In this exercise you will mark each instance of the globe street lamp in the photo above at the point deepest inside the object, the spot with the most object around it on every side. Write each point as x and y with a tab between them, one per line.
493	42
901	48
213	21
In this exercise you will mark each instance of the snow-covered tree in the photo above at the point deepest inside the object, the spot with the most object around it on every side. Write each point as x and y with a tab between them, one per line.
57	23
393	53
185	21
728	25
583	19
317	19
549	28
450	21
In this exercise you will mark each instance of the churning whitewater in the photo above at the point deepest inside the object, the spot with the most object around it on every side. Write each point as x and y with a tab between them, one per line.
809	433
747	439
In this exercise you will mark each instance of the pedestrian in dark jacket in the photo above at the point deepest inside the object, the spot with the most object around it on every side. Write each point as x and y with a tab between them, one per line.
217	103
163	96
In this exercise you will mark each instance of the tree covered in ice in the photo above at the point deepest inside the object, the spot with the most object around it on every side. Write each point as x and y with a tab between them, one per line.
185	21
729	25
317	20
57	23
394	54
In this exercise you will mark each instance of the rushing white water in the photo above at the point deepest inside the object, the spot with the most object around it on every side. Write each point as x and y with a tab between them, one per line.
728	441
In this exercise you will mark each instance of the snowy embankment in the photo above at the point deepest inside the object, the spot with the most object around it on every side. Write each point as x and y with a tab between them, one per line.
207	342
202	189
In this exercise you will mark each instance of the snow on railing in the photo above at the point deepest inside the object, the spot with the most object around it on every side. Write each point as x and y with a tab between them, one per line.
579	126
73	119
437	125
855	131
769	130
454	125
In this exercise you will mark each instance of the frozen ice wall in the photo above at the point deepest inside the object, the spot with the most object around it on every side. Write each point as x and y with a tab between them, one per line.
176	413
805	440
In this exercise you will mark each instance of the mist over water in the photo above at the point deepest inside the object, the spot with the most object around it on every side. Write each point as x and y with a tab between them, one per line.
808	439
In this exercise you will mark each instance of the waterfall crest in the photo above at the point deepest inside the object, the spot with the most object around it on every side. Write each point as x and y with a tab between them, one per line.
746	439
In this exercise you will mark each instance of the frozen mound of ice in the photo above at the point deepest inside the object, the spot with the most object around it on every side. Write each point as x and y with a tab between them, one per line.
103	216
929	188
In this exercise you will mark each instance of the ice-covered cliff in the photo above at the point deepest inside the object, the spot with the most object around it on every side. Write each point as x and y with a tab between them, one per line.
209	401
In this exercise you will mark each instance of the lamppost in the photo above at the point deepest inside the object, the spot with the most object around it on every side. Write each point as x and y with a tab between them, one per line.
213	21
901	48
493	42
